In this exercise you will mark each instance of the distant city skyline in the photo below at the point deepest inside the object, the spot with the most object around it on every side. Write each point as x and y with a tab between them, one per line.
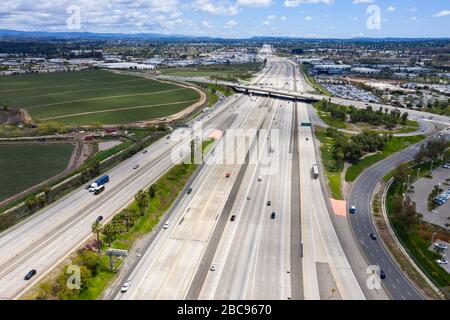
233	18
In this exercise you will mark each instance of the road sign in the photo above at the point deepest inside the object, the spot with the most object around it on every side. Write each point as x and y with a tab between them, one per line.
117	252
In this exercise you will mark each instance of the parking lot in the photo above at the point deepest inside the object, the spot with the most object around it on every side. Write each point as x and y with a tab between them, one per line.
422	188
350	92
445	253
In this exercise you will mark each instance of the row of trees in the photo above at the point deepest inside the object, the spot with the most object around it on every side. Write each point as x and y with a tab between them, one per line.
353	149
376	118
432	150
404	212
126	219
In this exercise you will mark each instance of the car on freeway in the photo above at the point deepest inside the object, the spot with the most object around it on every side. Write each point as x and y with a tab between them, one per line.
99	219
126	286
441	246
166	225
213	267
144	152
228	175
249	197
272	216
307	139
30	274
189	191
233	218
136	166
352	209
88	187
442	261
259	178
373	236
269	203
382	274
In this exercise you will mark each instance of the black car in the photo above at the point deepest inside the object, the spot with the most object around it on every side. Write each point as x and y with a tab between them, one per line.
382	274
87	187
189	191
269	203
272	216
373	236
30	274
100	218
233	218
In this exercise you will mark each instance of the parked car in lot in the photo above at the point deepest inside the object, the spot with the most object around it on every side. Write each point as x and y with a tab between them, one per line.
442	261
446	166
441	246
126	286
30	274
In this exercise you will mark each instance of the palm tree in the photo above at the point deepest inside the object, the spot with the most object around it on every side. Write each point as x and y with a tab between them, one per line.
97	228
141	200
109	232
126	215
152	191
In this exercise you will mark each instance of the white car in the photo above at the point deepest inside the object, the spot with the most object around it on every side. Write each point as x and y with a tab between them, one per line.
260	179
166	225
214	267
441	246
442	261
126	286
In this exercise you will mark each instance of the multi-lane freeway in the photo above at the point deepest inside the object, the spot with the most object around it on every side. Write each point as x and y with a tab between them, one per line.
259	229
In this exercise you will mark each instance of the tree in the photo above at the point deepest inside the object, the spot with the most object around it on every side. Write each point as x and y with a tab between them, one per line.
141	200
152	191
110	233
47	192
404	117
91	260
97	229
401	174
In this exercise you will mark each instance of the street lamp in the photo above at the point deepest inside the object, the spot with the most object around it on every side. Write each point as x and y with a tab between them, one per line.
432	237
418	173
404	185
431	166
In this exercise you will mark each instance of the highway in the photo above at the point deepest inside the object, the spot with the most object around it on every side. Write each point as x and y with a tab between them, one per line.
252	253
300	253
49	236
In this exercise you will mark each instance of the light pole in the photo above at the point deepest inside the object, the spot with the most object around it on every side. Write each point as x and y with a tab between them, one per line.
404	185
431	170
432	237
418	173
407	183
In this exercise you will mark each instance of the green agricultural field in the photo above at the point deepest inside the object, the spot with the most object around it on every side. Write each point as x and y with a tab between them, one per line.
222	71
25	165
82	98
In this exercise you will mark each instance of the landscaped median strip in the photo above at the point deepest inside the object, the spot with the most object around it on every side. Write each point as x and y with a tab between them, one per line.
138	219
400	246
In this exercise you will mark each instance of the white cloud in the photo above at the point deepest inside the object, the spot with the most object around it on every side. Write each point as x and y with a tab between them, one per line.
309	18
254	3
443	13
296	3
265	23
230	24
216	7
391	9
283	18
362	1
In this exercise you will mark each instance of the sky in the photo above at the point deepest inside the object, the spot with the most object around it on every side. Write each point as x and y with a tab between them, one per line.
233	18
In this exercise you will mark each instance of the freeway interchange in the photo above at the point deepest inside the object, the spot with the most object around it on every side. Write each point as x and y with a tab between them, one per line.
260	229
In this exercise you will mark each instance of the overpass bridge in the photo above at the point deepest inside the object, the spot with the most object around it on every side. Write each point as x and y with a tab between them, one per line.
310	98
